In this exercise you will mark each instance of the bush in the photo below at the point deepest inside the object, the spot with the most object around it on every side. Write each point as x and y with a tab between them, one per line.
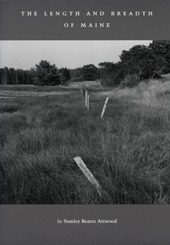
90	72
112	75
130	81
77	79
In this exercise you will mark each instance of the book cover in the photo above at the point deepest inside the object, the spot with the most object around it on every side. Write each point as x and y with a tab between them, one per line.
84	122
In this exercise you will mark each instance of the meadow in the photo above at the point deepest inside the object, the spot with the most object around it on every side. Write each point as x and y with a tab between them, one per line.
128	151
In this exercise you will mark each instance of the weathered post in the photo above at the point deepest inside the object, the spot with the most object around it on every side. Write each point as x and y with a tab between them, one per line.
88	174
84	89
86	98
88	101
104	107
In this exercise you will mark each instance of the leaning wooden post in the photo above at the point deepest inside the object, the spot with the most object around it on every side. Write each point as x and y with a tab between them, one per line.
104	107
88	174
88	102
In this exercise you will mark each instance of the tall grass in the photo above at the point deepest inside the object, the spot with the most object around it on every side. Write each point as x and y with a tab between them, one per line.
127	151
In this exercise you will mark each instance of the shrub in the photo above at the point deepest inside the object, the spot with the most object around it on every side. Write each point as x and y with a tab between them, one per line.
112	75
130	81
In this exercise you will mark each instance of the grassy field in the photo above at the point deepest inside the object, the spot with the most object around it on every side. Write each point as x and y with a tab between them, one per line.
128	151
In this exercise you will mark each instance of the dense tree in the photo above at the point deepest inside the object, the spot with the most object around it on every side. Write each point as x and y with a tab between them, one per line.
111	74
161	49
138	63
15	76
90	72
46	74
105	67
147	62
5	76
76	75
1	75
64	75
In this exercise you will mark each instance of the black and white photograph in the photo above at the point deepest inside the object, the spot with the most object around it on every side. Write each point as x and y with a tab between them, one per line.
85	122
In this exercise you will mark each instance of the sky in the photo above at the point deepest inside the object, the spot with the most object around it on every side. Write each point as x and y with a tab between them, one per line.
70	54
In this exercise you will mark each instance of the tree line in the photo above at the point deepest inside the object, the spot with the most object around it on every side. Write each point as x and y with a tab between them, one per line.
15	76
138	63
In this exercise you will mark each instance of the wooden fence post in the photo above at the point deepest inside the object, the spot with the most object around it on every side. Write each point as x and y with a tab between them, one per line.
88	101
104	107
88	174
86	94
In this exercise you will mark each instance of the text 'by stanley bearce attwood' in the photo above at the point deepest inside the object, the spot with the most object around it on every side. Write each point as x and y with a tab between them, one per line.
103	20
86	221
